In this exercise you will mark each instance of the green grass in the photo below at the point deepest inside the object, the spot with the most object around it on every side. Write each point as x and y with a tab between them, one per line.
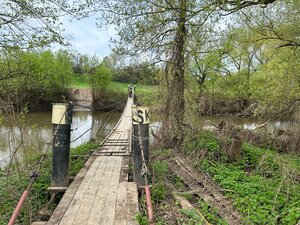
123	87
83	82
79	82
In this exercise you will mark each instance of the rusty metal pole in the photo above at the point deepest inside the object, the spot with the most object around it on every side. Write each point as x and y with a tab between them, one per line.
61	119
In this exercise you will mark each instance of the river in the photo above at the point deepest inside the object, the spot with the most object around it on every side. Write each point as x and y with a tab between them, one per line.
37	132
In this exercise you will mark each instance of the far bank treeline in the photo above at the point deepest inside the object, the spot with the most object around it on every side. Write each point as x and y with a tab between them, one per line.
239	77
36	78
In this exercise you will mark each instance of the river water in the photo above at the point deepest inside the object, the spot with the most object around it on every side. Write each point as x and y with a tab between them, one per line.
37	131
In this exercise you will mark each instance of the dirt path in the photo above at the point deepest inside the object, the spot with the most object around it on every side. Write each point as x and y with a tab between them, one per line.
198	183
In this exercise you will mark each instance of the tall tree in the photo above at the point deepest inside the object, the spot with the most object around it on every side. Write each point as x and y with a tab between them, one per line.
162	29
159	29
28	24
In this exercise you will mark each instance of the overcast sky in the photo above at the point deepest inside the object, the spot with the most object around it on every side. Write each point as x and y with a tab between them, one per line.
86	38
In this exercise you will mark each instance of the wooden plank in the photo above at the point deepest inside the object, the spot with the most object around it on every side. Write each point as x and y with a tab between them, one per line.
185	204
133	205
78	197
98	205
68	196
88	200
110	201
39	223
121	205
57	189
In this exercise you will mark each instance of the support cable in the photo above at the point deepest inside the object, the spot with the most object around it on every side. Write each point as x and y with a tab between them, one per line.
101	127
99	108
145	173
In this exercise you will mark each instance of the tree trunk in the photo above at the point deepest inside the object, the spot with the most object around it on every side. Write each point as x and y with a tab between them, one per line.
175	107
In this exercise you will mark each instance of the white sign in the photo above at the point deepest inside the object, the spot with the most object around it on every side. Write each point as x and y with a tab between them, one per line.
59	113
140	115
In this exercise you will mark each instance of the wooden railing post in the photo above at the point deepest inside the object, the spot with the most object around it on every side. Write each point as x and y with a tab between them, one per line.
61	119
140	126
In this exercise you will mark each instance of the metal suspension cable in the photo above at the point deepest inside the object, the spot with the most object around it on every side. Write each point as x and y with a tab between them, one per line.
98	108
82	125
33	177
108	120
145	174
83	133
90	119
94	126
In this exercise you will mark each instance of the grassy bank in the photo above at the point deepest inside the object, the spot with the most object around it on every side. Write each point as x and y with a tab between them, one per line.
263	184
116	92
165	186
12	186
83	82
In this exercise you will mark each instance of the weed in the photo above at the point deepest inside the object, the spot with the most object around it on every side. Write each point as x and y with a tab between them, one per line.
11	190
262	183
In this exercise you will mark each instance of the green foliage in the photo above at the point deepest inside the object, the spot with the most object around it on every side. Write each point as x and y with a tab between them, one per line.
159	172
80	82
275	86
262	183
210	214
29	24
12	188
206	141
178	182
194	217
101	78
34	77
136	74
142	220
158	192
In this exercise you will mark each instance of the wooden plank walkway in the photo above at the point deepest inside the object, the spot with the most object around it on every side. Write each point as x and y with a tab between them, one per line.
101	193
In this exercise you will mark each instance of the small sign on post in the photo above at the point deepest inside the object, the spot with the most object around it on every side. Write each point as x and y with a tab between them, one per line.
140	122
61	114
140	115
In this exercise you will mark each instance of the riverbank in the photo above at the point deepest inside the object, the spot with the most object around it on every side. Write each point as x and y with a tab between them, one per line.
12	185
262	184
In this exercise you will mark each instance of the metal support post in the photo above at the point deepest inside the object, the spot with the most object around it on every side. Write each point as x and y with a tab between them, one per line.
61	119
140	118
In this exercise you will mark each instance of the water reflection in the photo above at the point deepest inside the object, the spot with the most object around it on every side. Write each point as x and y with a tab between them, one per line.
37	132
211	123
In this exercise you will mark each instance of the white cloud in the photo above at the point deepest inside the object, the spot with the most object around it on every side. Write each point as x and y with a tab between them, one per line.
86	38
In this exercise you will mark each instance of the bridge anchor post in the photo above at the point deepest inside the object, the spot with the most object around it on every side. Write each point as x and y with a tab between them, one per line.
61	119
141	121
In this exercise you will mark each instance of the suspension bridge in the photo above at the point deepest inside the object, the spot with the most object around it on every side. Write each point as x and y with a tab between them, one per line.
101	192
